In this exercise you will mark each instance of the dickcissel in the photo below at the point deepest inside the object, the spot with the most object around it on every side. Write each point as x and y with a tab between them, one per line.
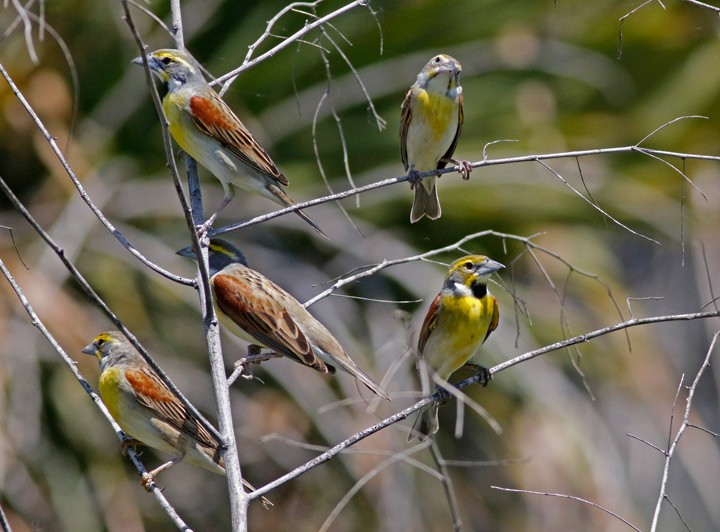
430	124
257	310
147	410
459	320
207	129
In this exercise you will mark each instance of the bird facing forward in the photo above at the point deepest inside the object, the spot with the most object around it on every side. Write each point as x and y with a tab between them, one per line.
148	410
430	124
257	310
208	130
459	320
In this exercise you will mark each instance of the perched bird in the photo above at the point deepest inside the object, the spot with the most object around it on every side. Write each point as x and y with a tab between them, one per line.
459	320
148	410
207	129
430	124
257	310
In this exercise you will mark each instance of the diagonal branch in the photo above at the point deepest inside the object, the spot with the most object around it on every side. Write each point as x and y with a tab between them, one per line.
96	399
399	416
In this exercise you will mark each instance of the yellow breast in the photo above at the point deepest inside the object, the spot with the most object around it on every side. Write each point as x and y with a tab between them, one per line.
461	329
111	392
436	110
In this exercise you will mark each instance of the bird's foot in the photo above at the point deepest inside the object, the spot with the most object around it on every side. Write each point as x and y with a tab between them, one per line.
129	443
414	178
443	395
147	481
482	372
464	168
243	367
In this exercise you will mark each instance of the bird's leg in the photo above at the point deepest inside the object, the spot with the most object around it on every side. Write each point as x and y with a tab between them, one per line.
148	479
464	167
254	356
128	443
482	372
204	227
443	395
414	178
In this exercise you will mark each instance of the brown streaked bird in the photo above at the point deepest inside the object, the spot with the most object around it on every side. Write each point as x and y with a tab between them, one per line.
257	310
430	125
208	130
148	410
459	320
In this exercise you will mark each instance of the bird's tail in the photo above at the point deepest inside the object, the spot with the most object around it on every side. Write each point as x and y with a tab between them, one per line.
426	202
350	367
426	424
284	199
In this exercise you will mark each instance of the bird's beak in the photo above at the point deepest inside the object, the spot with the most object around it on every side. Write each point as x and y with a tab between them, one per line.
490	266
139	60
187	252
90	349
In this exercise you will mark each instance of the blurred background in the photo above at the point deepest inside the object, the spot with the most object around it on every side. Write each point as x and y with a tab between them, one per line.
540	77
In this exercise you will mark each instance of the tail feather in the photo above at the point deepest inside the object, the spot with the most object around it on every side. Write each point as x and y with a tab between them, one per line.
426	424
285	200
349	366
426	203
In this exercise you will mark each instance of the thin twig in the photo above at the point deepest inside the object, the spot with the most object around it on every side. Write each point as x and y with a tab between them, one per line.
228	78
662	495
96	399
572	497
404	414
454	169
81	190
447	484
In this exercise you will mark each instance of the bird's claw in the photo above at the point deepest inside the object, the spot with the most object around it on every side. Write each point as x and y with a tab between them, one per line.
482	372
128	443
147	480
464	168
414	178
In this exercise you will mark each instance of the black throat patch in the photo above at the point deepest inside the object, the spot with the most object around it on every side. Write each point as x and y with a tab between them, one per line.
479	289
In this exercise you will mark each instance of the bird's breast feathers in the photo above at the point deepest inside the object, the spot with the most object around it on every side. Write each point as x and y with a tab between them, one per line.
432	127
439	112
463	322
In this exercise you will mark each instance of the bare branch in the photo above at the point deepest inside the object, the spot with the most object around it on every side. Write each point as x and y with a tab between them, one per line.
662	495
228	78
96	398
455	169
399	416
572	497
81	190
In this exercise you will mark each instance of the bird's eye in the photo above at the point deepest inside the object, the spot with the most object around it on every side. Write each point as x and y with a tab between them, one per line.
99	342
166	60
438	59
468	265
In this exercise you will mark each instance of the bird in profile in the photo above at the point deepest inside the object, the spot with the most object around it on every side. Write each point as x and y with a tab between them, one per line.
430	125
207	129
260	312
459	320
149	411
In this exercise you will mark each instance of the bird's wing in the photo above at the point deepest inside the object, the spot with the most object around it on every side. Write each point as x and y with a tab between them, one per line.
405	117
429	324
448	154
214	118
495	317
257	306
152	393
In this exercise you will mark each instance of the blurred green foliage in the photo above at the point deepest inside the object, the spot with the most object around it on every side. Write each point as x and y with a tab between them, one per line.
538	77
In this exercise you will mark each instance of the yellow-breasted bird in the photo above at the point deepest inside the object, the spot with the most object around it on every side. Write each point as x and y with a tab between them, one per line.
430	125
257	310
148	410
459	320
208	130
